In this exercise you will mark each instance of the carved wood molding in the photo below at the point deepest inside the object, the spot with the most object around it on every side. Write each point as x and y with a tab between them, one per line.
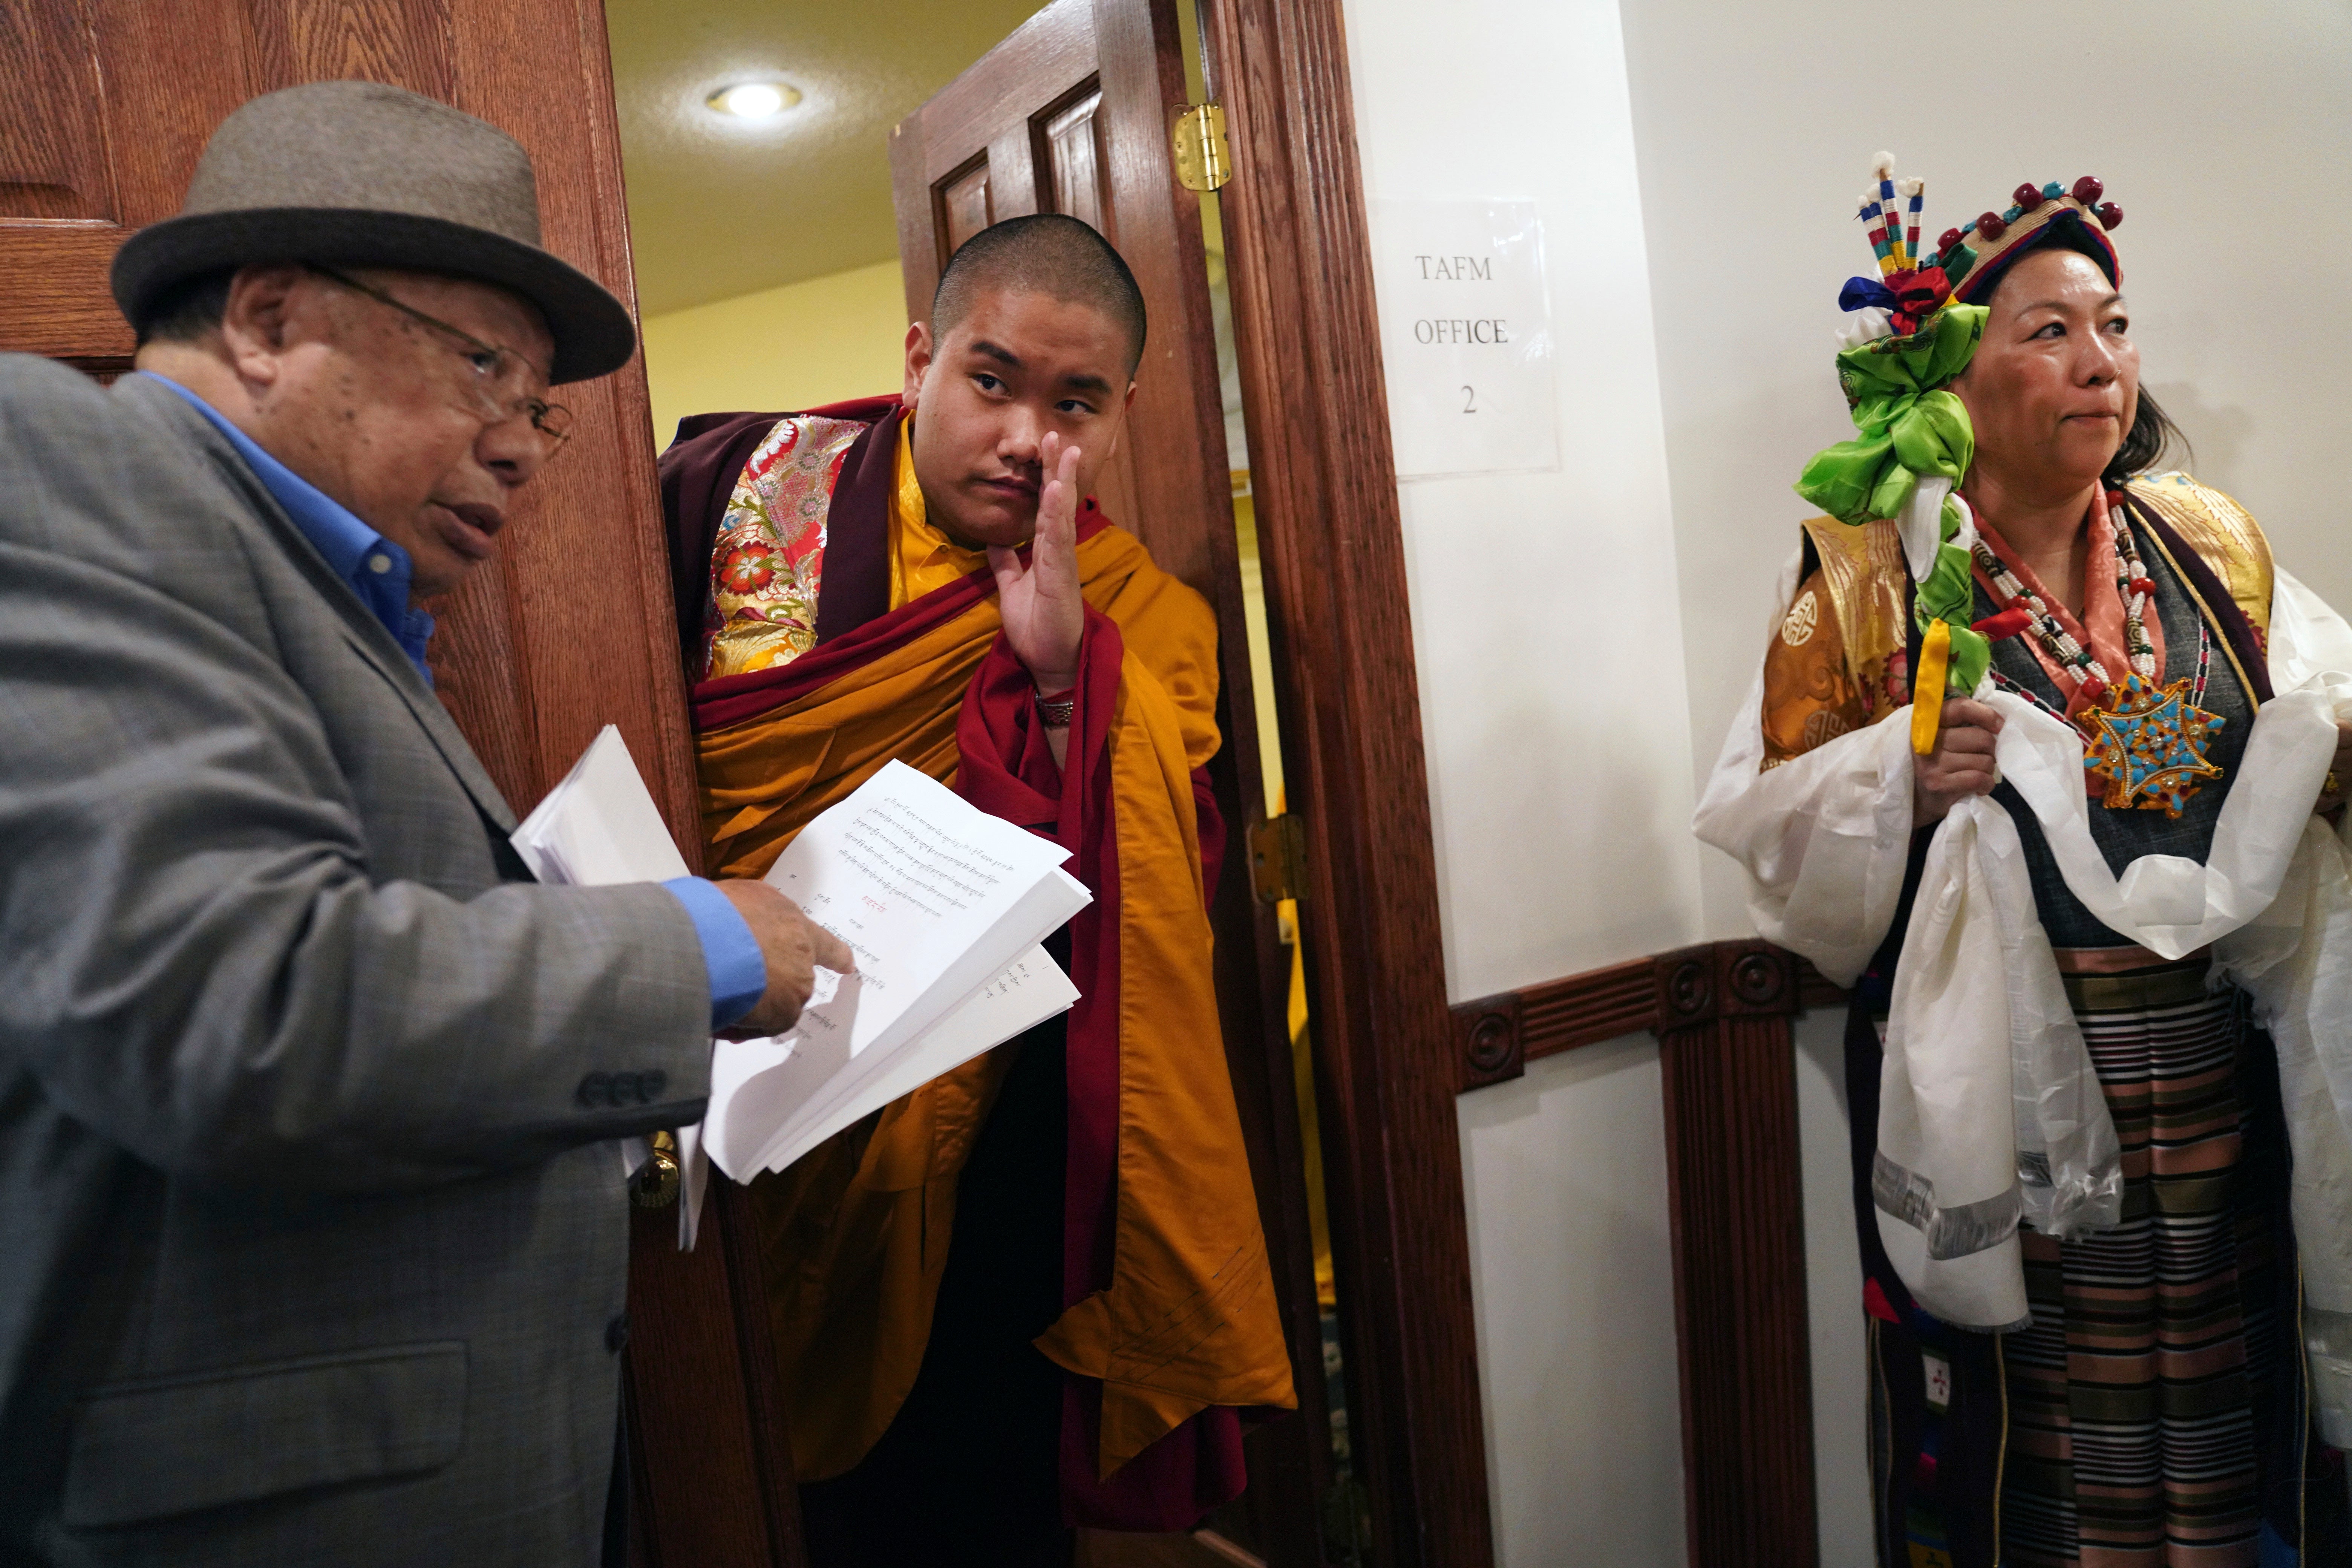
1722	1013
1732	1160
1496	1037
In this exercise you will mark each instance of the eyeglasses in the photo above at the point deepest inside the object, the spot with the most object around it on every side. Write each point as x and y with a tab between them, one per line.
499	382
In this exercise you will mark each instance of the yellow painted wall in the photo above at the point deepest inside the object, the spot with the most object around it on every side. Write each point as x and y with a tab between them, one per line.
822	340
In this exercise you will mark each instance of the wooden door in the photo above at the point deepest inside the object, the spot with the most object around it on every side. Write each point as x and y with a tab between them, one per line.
104	106
1071	114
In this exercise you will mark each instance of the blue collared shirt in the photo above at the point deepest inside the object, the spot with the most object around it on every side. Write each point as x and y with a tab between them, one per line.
380	572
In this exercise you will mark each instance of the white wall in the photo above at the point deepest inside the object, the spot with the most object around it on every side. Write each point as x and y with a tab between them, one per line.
1544	605
1545	614
1568	1243
1832	1296
1584	635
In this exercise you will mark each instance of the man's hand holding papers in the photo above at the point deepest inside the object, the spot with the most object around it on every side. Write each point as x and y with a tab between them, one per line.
600	827
943	906
900	932
782	931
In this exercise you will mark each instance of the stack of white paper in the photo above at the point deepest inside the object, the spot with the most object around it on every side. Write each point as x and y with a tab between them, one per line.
943	904
599	827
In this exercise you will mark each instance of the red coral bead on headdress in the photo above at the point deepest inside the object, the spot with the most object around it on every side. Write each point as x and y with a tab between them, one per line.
2088	190
1990	226
2027	196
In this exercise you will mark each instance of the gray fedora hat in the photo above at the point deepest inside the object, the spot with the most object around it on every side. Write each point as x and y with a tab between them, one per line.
355	173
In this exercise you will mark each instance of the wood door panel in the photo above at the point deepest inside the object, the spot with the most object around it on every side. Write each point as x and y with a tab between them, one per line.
963	207
53	283
52	136
405	43
591	599
171	69
1071	164
978	120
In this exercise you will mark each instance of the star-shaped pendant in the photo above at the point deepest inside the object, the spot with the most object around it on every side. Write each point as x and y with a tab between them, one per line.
2148	744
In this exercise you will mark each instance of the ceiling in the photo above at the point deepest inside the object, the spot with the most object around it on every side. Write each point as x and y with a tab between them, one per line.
720	207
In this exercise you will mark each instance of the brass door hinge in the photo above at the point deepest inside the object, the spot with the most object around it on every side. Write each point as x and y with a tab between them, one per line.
1279	858
1204	160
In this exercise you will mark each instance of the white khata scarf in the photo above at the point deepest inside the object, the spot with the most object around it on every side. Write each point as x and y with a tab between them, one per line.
1990	1112
1990	1109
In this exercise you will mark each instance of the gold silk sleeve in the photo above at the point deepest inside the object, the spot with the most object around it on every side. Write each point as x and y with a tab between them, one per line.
1809	695
2223	534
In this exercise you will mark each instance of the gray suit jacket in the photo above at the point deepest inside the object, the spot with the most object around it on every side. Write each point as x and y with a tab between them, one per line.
311	1248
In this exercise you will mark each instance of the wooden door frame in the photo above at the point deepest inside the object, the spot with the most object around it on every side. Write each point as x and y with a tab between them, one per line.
1298	263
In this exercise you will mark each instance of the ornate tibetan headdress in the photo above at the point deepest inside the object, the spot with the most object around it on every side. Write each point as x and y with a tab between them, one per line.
1968	261
1917	326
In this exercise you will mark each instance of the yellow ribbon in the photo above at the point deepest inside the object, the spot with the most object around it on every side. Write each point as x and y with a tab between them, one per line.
1928	690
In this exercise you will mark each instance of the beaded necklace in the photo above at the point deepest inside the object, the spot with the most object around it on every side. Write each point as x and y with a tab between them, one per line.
2146	741
2132	585
2196	686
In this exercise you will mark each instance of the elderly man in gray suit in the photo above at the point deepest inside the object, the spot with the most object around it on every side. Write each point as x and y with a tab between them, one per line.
314	1244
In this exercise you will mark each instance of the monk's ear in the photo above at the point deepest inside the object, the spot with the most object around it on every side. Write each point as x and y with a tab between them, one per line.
1117	429
918	362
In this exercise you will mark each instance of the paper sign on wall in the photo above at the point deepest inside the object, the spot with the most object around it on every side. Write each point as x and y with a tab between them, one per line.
1466	336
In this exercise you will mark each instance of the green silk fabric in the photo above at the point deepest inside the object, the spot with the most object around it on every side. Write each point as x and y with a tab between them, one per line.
1911	428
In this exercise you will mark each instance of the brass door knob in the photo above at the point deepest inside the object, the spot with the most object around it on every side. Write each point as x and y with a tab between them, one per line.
654	1184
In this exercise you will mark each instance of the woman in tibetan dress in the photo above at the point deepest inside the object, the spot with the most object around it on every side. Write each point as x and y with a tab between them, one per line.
2088	1052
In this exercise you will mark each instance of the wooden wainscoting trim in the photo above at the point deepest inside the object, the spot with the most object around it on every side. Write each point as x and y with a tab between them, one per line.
1726	1060
1500	1035
1722	1013
1496	1037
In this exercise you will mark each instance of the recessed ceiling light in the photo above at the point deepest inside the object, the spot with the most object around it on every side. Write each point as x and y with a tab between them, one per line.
754	99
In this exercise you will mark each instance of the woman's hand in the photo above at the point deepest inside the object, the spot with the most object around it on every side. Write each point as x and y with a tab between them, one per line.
1961	765
2339	774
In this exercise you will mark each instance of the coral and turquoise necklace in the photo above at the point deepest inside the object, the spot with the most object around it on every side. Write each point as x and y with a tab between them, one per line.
2148	742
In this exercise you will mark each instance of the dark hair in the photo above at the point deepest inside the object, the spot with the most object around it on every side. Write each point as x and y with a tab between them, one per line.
1042	253
186	311
2152	431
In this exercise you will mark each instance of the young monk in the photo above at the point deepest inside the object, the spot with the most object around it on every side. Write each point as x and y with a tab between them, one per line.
1033	1294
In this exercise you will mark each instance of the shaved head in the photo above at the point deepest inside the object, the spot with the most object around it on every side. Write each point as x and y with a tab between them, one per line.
1049	254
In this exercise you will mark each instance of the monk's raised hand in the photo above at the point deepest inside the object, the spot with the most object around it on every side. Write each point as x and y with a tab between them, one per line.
1044	613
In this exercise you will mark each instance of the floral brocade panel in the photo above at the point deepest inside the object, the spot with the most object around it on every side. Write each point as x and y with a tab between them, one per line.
769	559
